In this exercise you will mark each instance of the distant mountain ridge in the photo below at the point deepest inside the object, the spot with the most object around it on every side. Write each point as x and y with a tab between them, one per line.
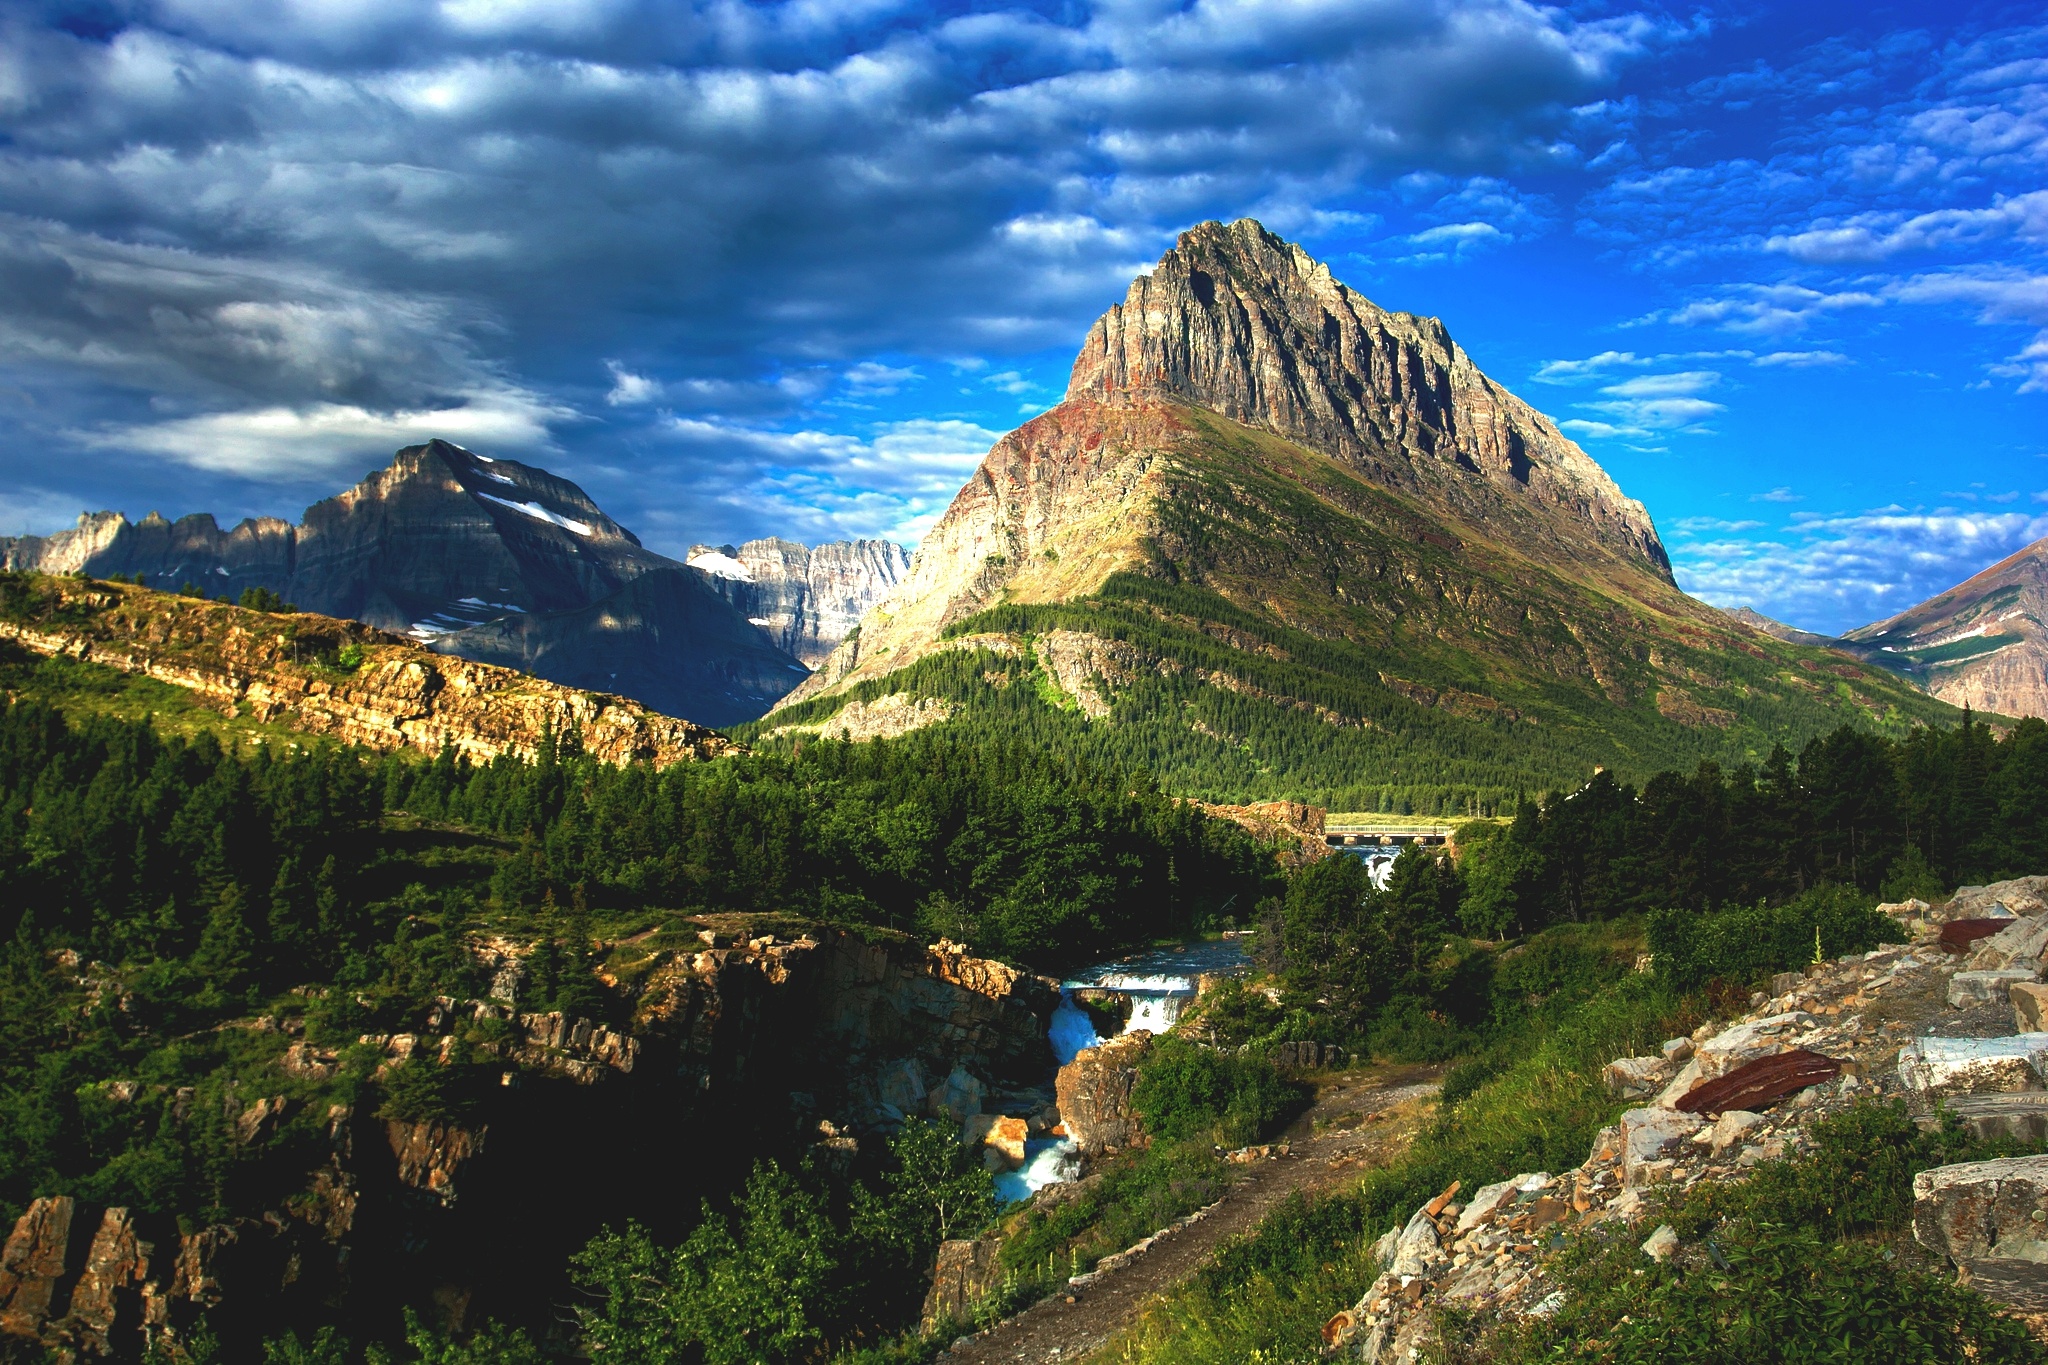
1982	643
492	560
806	598
1279	542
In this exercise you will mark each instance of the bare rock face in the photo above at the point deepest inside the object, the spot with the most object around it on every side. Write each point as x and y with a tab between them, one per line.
401	697
37	1265
1242	323
1981	644
806	599
1094	1093
488	559
966	1272
1986	1216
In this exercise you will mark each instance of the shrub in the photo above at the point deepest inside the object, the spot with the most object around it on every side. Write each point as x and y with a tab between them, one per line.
1187	1091
350	657
1742	945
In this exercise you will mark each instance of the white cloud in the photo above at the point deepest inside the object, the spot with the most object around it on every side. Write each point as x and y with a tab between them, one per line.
629	388
327	438
1779	494
1846	571
1878	236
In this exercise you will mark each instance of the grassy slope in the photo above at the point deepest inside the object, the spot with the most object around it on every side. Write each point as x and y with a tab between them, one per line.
1446	667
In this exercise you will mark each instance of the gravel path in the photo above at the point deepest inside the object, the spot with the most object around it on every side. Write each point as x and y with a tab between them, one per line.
1068	1328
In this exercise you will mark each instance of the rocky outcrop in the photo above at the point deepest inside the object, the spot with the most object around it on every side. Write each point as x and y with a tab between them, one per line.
1985	1216
1981	644
282	669
1239	322
1294	824
1094	1094
486	559
752	1044
967	1271
807	599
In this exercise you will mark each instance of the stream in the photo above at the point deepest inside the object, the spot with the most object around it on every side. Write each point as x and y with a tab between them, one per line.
1158	982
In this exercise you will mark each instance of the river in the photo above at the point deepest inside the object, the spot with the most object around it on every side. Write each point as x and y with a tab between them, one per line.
1159	982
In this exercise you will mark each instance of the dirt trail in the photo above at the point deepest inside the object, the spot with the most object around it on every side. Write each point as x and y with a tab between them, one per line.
1055	1329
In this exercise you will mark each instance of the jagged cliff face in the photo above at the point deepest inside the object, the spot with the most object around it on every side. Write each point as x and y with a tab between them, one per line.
1241	323
1982	644
281	670
745	1047
488	559
1267	503
806	599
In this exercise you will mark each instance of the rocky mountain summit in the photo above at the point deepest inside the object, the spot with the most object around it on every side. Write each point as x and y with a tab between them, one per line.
806	598
505	563
1271	517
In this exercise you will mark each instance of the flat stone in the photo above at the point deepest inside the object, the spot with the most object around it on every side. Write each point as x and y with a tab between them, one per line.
2021	1115
1734	1126
1985	988
2021	941
1412	1249
2029	1006
1677	1049
1661	1243
1745	1043
1991	1219
1648	1136
1635	1078
1485	1203
1934	1067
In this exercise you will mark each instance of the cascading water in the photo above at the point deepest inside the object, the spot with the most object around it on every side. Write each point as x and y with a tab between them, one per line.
1157	984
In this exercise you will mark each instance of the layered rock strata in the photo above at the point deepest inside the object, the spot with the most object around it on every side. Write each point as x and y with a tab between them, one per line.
807	599
1982	643
281	669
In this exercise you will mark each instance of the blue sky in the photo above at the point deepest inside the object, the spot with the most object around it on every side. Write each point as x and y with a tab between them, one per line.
790	268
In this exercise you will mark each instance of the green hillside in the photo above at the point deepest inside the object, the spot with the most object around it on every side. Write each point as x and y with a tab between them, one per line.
1298	632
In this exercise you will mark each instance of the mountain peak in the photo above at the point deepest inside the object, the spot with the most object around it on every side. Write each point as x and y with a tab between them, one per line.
1241	322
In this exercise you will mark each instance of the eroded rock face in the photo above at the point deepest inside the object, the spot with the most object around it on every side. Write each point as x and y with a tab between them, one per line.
1240	322
807	599
2001	618
1094	1093
1988	1217
966	1272
402	697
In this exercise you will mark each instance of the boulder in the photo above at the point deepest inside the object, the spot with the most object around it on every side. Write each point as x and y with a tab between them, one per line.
2029	1006
1094	1093
1677	1050
1745	1043
1991	1219
1935	1067
1681	1085
957	1097
1416	1246
965	1273
2022	941
1649	1136
1966	989
1734	1126
1489	1200
2021	1115
1001	1140
2020	896
1635	1078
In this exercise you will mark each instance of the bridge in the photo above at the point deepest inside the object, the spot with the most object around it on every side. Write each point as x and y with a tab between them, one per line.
1388	836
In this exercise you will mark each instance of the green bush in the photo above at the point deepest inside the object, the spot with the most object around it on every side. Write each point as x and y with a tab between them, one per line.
1185	1091
1742	945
